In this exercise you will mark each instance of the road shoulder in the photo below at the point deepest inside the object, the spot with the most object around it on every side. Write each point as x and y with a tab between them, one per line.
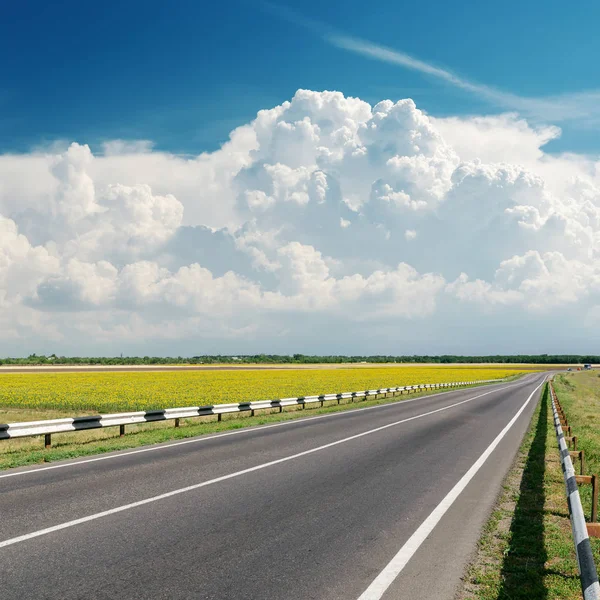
526	550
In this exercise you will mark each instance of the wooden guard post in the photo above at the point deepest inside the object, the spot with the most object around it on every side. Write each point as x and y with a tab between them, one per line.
594	526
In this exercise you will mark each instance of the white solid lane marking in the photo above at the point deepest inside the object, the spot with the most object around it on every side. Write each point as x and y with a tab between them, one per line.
197	486
220	435
383	581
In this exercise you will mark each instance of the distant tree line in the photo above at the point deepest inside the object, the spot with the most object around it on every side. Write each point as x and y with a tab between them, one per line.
53	359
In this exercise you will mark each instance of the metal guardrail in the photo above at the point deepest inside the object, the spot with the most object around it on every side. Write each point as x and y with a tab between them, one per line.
585	559
50	426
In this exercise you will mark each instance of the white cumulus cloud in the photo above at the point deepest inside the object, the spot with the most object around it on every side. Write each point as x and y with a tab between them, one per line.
324	225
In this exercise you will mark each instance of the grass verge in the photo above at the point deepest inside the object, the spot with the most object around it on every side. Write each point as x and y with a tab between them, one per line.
526	549
30	451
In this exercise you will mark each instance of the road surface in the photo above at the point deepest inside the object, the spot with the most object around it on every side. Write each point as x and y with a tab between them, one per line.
317	508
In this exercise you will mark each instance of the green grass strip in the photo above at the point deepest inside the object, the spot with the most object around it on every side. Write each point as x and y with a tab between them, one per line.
526	549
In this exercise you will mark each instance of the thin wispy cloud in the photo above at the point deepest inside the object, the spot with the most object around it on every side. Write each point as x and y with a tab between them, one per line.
580	105
402	59
583	106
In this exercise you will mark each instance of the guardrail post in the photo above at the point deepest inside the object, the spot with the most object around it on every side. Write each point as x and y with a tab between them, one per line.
218	416
594	498
176	422
47	440
121	430
593	529
579	455
594	526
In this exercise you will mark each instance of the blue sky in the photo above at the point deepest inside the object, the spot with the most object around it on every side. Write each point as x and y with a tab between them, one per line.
322	221
184	74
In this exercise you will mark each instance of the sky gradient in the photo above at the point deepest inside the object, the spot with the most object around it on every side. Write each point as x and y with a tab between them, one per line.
183	178
185	74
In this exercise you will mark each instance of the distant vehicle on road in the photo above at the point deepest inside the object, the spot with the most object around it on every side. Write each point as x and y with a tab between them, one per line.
587	367
569	369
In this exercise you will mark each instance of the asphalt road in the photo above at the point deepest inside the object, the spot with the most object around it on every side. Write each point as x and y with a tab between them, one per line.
318	508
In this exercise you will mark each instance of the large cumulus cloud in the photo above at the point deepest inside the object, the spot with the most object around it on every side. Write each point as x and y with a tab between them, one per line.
325	224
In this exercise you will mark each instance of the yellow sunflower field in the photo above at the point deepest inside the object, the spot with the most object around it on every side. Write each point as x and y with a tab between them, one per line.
128	391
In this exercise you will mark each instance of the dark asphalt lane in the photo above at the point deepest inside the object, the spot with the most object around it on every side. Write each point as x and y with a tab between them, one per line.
322	525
